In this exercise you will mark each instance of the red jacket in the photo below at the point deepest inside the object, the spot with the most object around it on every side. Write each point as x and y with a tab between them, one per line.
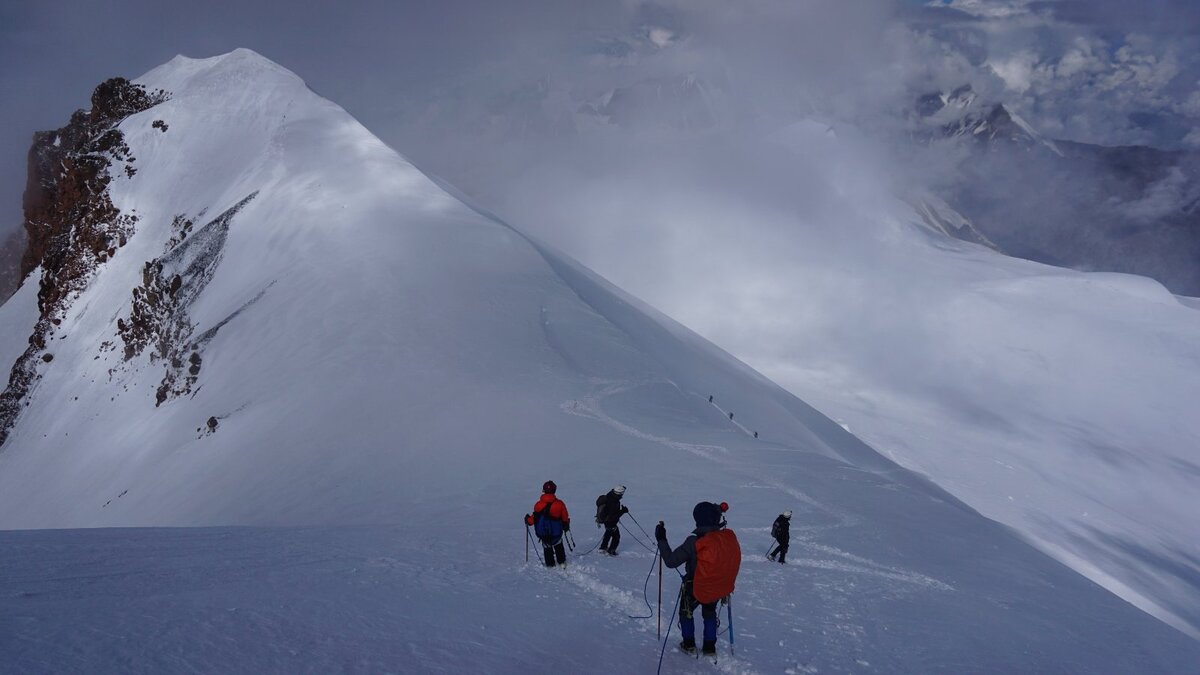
558	508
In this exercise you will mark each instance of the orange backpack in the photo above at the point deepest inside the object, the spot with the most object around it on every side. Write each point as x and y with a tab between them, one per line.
718	557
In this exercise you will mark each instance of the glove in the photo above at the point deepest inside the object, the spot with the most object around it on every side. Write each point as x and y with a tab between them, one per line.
624	509
660	532
567	526
528	520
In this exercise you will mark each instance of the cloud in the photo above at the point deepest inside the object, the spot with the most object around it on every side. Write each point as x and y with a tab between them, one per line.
1017	70
1102	72
991	9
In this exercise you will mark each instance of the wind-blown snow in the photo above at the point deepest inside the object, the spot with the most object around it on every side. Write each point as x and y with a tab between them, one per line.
398	372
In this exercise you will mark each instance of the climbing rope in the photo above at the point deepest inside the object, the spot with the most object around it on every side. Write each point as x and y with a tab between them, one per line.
646	592
639	540
593	548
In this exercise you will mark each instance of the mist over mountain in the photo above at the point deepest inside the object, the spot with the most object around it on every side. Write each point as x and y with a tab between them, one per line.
1125	209
930	261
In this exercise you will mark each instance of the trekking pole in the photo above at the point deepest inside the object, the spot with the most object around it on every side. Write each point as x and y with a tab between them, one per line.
527	536
660	596
670	622
729	607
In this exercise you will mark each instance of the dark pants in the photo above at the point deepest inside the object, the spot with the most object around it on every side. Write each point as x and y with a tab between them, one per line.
612	537
781	550
554	550
687	610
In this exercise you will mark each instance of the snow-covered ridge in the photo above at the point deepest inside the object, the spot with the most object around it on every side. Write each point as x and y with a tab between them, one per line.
373	350
318	240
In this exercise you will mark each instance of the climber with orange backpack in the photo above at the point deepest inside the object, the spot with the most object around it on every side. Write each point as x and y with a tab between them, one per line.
711	556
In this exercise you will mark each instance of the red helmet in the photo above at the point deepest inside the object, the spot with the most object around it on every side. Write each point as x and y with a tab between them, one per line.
549	487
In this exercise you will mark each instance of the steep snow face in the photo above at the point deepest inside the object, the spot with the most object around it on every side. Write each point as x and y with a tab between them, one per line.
306	330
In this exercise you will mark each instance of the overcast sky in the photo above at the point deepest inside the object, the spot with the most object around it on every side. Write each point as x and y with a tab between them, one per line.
454	83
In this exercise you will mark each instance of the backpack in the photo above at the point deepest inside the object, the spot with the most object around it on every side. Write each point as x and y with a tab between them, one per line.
546	526
601	508
718	558
775	529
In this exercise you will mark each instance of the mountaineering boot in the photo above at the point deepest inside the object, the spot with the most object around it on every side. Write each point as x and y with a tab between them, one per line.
709	648
688	645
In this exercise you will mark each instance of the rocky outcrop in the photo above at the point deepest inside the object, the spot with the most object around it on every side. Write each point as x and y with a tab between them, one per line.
71	224
159	320
11	251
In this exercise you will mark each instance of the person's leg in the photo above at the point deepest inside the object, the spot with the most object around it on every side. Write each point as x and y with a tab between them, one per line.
605	539
616	539
687	621
783	549
774	550
548	551
709	612
560	553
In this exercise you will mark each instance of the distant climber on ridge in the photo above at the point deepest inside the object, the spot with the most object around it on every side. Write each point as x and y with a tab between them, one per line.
711	556
609	510
781	532
550	520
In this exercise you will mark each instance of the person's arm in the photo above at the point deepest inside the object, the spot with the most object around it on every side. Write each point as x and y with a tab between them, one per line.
677	557
620	510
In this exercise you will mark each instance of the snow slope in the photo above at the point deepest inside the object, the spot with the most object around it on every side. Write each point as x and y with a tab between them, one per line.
394	373
1056	401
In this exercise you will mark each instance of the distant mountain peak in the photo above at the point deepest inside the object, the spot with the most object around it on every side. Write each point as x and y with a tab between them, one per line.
961	113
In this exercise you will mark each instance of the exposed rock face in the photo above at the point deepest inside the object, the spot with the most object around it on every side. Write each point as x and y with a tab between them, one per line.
71	223
11	250
159	319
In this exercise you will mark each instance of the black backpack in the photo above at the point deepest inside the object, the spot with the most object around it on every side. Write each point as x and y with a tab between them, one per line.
601	508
